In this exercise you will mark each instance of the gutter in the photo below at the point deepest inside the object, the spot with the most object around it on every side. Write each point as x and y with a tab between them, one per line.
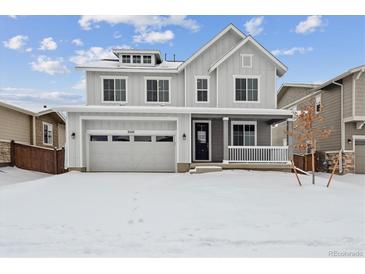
342	127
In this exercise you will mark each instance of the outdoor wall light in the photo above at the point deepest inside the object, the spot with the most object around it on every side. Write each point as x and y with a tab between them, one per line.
73	135
349	141
184	136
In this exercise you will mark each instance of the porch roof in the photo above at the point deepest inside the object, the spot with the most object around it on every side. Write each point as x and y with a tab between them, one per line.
177	110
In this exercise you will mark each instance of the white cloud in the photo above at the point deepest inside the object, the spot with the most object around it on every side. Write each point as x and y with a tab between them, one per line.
254	25
49	66
312	23
292	51
117	35
13	16
81	85
29	50
77	42
48	44
16	42
94	53
154	37
139	22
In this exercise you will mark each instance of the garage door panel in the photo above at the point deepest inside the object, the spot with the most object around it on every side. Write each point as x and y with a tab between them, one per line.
359	158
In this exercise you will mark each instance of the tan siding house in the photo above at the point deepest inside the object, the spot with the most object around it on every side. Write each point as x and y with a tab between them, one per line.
27	127
346	118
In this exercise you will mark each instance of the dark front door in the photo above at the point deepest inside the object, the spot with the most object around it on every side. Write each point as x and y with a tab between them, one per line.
202	141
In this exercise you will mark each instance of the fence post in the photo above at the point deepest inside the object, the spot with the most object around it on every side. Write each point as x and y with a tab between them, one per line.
12	153
55	171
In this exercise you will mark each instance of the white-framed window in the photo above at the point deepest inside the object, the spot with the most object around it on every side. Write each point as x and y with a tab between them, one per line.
114	89
157	90
246	88
318	103
246	60
126	59
137	59
47	133
243	133
147	59
202	89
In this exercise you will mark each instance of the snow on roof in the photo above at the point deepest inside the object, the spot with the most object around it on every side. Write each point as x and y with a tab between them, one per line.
114	64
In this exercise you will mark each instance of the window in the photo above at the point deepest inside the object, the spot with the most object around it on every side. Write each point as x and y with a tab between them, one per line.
115	90
202	89
246	89
318	104
243	134
98	138
164	138
136	59
158	90
120	138
142	138
246	60
47	134
126	59
147	59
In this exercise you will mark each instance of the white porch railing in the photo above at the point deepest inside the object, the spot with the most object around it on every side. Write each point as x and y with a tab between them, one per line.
258	154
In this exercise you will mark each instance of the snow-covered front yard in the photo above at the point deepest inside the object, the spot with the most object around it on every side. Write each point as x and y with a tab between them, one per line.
226	214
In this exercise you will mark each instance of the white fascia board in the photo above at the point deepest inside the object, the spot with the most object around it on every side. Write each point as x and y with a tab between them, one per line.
127	70
211	42
44	112
16	108
281	67
174	110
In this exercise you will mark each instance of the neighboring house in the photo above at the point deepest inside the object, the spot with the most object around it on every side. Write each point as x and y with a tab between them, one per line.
143	113
45	128
341	102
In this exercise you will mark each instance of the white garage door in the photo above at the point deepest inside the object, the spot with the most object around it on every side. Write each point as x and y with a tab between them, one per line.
144	153
360	156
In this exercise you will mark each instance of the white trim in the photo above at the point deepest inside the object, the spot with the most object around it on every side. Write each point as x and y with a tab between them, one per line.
216	87
111	77
243	123
196	77
243	55
356	137
354	119
16	108
50	126
212	41
157	78
261	48
209	122
318	100
185	103
246	77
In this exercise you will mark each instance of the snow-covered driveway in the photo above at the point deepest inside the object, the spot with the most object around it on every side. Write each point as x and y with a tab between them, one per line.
227	214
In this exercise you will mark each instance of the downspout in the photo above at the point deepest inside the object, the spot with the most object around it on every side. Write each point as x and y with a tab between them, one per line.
342	128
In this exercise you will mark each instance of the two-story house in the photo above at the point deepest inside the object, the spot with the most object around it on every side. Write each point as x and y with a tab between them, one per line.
340	102
143	113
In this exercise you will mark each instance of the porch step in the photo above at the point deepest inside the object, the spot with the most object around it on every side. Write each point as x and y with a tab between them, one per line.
205	169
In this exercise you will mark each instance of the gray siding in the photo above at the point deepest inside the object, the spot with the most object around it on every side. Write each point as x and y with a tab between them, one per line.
261	66
136	89
347	96
350	130
15	125
279	133
360	96
201	65
291	95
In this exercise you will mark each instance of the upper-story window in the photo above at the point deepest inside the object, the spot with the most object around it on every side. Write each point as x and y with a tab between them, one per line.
318	103
246	60
136	59
126	59
202	89
114	89
157	90
47	134
246	89
147	59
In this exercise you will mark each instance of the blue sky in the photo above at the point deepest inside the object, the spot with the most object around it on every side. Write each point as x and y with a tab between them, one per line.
38	53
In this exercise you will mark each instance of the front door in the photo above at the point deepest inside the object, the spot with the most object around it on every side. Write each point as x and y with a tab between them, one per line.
202	141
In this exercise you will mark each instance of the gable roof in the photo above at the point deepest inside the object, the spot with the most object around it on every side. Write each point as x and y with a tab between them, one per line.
284	87
281	67
211	42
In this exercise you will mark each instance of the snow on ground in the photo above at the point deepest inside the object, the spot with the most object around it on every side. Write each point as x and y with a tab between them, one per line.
227	214
11	175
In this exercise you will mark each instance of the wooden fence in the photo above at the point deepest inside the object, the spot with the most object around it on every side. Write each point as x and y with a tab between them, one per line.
304	162
37	158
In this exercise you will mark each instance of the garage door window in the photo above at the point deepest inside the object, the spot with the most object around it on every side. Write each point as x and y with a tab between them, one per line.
99	138
143	138
164	138
120	138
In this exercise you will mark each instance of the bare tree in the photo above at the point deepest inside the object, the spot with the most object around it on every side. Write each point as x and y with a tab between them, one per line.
307	130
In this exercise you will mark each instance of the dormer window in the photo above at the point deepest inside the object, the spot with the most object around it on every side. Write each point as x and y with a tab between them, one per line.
136	59
147	59
126	59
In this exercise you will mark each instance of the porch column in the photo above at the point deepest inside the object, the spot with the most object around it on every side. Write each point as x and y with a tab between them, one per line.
225	139
289	128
